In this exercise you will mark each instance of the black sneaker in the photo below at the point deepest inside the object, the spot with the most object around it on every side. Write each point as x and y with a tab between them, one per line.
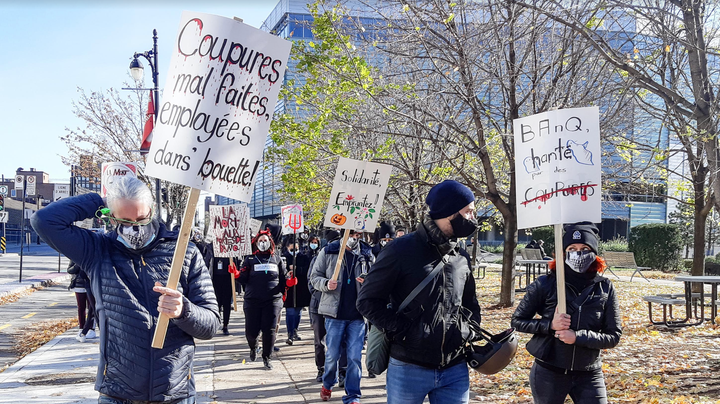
268	365
276	348
296	337
289	341
253	355
320	374
225	331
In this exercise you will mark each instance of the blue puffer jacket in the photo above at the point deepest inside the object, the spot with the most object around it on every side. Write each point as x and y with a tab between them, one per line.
122	282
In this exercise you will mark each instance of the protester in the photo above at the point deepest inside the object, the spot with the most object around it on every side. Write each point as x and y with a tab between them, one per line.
80	284
399	232
127	268
263	276
567	347
298	296
384	234
343	322
429	335
221	279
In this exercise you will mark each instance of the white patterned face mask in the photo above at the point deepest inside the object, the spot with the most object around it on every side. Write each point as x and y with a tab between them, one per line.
579	261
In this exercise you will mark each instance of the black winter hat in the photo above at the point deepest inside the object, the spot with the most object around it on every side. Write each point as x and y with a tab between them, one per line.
386	230
447	198
582	232
331	235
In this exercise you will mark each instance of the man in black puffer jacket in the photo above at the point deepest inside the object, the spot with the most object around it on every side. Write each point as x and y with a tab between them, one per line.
428	336
127	269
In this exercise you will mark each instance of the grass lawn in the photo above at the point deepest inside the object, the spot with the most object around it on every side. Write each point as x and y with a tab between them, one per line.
650	365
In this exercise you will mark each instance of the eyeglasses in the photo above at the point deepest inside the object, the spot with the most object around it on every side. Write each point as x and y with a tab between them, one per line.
142	222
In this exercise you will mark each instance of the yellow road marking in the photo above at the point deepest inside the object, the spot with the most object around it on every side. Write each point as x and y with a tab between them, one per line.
52	304
29	315
4	326
72	294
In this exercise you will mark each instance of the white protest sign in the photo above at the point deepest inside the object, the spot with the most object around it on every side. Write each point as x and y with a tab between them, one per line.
61	191
19	182
112	172
292	219
230	230
31	185
557	167
255	226
357	195
221	91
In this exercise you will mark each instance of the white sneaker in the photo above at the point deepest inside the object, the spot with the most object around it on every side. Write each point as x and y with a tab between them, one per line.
80	337
91	334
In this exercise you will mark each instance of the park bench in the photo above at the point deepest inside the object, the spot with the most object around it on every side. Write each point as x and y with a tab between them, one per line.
531	254
616	259
666	301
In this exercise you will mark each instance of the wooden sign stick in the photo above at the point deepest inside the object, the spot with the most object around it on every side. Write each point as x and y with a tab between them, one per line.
341	255
232	283
560	268
177	262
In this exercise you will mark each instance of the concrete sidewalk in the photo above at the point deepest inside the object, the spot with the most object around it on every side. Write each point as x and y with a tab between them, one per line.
63	371
36	281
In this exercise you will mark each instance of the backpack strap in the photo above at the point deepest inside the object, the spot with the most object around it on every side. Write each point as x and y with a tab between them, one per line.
422	284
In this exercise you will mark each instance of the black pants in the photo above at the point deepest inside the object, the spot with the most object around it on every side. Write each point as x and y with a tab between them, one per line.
223	293
262	317
317	321
552	387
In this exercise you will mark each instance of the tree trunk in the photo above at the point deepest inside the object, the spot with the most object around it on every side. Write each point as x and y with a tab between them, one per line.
507	285
698	267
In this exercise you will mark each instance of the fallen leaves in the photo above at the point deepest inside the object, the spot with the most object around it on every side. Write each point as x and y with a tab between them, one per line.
36	335
650	365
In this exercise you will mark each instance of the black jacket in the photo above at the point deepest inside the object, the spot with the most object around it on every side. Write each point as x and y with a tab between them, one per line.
314	294
430	332
122	282
594	318
262	286
302	273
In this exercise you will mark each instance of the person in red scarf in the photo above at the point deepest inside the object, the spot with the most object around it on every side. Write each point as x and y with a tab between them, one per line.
265	280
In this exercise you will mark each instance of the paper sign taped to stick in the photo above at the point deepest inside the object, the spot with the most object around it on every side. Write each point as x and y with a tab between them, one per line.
255	227
230	230
221	91
113	171
557	166
292	219
357	195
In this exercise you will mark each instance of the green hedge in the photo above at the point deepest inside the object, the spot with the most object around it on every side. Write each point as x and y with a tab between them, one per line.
657	245
546	234
619	244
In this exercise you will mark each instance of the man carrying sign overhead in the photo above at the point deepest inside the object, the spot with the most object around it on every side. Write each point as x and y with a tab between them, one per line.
427	338
126	268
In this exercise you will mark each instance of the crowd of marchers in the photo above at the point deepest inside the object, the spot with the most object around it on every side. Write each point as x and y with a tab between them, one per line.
415	292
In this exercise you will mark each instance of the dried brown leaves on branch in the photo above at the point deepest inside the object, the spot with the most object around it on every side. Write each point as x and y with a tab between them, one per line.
650	365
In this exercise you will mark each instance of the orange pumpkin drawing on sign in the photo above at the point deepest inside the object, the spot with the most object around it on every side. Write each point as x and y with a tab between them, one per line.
338	219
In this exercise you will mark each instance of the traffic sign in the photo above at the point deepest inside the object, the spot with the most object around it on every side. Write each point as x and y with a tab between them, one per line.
3	190
4	216
61	191
30	185
19	182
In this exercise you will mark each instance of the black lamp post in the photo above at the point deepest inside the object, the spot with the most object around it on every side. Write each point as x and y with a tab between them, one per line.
136	71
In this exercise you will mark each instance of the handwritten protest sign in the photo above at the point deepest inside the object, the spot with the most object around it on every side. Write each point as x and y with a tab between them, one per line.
230	230
292	219
557	166
357	195
111	172
221	91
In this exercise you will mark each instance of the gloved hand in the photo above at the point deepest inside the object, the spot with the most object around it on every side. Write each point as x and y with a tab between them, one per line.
232	268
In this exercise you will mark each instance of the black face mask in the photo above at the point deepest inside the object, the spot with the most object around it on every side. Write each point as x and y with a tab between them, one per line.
463	227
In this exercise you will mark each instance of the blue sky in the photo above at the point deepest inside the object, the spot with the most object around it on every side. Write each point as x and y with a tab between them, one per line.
50	48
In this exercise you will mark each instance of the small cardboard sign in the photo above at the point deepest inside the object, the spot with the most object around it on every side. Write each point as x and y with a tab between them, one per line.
557	166
357	195
219	98
292	219
113	171
230	230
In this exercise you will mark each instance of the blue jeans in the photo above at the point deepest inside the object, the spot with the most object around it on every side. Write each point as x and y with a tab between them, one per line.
353	333
410	384
551	387
103	399
292	320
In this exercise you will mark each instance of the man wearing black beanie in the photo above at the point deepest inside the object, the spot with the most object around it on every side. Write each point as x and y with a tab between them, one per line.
426	354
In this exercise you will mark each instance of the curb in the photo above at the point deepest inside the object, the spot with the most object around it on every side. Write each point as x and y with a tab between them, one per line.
35	283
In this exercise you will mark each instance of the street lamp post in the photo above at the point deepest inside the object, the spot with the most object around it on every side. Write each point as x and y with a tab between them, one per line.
136	71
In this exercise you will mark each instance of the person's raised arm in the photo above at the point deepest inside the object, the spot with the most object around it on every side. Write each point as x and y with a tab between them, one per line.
54	224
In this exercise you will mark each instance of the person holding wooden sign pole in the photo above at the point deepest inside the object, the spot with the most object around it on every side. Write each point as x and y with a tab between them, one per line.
567	347
127	268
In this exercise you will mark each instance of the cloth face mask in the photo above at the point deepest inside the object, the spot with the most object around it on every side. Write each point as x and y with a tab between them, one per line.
138	236
579	261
